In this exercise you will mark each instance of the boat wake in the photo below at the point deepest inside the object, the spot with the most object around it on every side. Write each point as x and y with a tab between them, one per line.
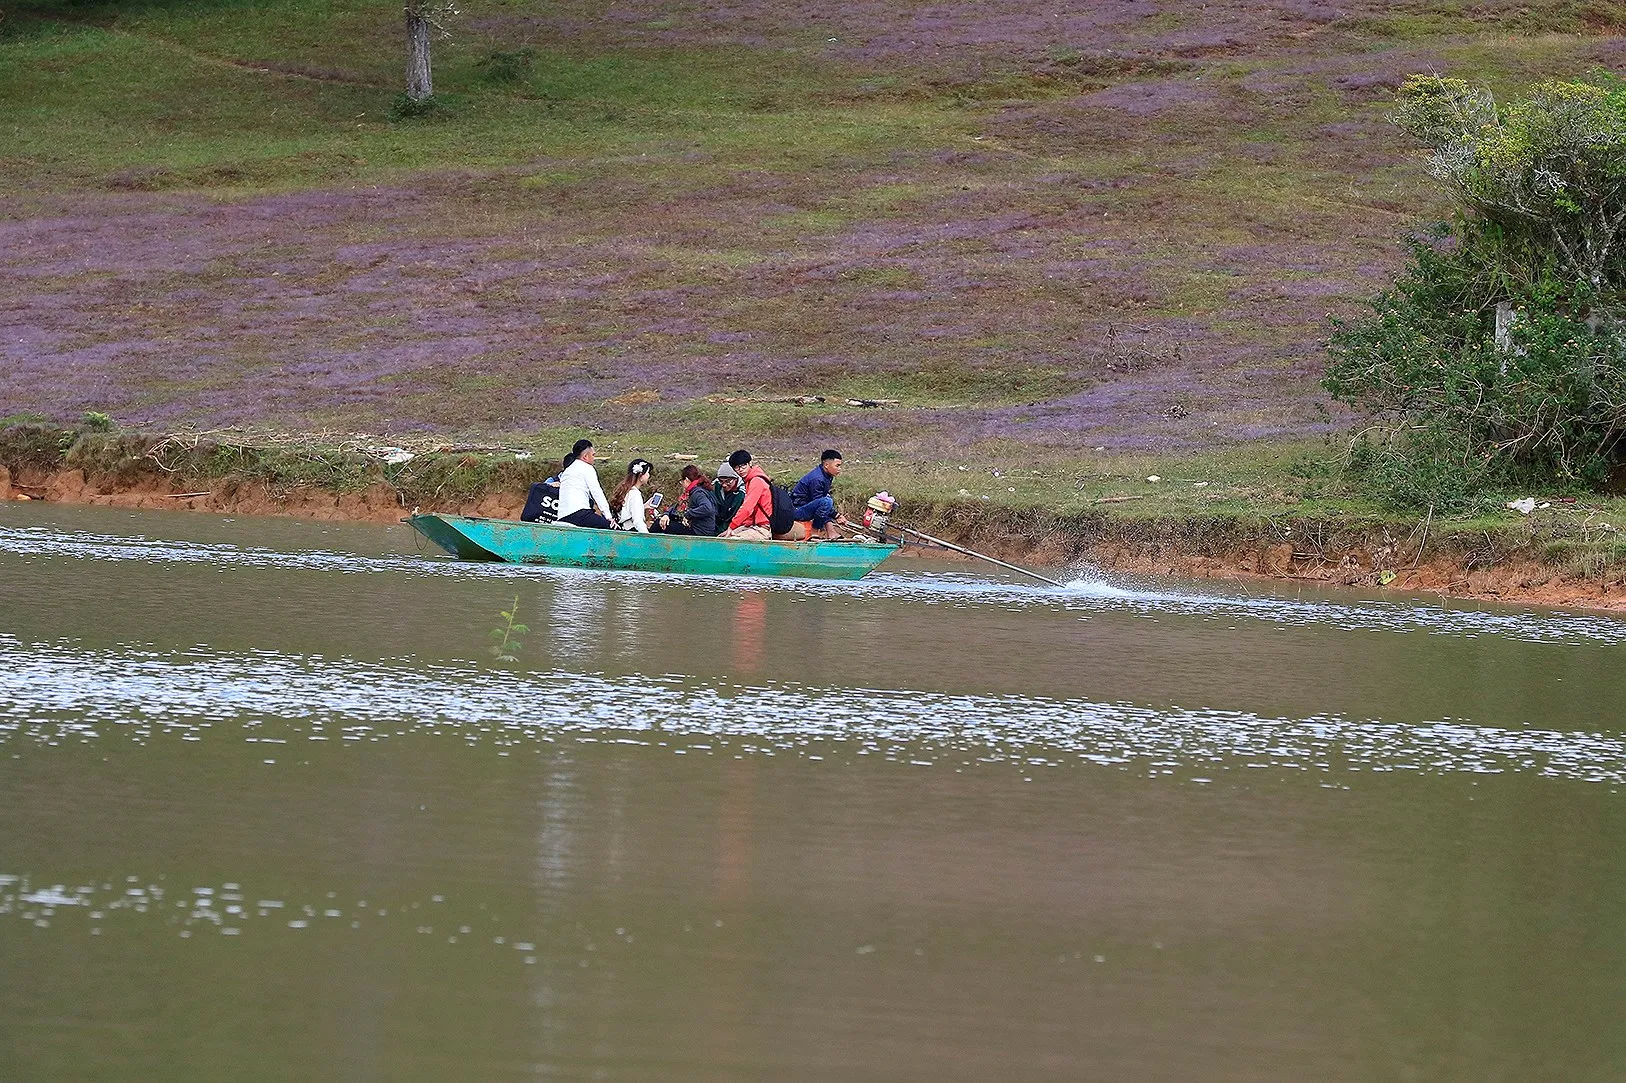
287	704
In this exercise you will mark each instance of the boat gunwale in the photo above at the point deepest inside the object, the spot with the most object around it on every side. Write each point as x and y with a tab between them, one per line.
687	538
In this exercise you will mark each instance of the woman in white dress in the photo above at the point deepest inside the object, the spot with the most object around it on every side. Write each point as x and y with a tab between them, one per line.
628	499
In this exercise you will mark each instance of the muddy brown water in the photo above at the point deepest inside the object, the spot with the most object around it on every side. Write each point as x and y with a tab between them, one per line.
269	809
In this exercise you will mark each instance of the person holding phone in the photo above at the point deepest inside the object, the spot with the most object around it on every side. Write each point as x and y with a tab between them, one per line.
627	502
667	522
698	504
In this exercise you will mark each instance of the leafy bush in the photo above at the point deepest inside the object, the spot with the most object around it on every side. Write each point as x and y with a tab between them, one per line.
1426	467
1541	235
1552	403
1547	174
96	421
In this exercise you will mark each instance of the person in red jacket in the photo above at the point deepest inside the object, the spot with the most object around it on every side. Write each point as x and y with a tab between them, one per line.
754	520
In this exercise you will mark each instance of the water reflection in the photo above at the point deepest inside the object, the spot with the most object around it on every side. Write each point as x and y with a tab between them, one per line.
62	694
750	629
576	622
927	826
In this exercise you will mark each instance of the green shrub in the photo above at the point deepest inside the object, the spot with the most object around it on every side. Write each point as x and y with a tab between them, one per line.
1541	187
1426	467
96	421
500	68
40	446
1547	406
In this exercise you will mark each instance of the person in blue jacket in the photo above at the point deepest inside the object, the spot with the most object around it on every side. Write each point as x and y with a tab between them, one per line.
812	501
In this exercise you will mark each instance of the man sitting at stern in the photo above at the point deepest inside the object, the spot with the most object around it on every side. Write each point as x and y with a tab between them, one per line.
815	507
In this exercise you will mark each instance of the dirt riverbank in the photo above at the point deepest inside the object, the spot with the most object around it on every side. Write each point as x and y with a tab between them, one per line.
1300	552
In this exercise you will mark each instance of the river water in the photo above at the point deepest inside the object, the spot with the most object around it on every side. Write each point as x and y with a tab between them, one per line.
269	808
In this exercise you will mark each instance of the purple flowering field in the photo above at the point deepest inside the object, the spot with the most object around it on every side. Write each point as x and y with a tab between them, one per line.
1120	224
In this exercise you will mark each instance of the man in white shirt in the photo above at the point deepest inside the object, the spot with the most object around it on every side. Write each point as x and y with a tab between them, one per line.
580	492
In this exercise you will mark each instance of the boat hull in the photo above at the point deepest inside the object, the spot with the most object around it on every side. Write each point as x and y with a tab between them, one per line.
472	538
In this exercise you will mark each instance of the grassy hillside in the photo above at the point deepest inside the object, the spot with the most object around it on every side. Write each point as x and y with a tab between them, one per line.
1043	227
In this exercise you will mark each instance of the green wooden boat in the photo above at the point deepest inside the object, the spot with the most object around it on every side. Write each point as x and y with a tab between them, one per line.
472	538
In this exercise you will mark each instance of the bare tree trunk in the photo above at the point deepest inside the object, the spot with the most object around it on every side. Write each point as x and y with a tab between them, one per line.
419	86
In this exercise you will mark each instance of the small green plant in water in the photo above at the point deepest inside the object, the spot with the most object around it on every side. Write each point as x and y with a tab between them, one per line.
509	635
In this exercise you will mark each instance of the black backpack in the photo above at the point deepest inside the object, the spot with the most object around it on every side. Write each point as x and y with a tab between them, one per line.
541	504
784	512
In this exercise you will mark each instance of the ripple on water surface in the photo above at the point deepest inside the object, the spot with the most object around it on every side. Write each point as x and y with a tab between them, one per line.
231	909
61	693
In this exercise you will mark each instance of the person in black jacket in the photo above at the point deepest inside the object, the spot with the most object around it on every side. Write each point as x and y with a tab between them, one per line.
814	501
697	503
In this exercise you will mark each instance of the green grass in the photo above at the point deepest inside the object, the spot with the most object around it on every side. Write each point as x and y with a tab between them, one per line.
258	93
297	92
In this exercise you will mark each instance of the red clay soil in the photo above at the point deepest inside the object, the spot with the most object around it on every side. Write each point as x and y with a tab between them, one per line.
1523	583
1520	583
377	504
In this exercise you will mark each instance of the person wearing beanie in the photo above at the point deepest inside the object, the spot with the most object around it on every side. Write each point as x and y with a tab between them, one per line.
727	495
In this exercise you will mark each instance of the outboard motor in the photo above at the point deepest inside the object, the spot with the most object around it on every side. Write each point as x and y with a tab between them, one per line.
878	512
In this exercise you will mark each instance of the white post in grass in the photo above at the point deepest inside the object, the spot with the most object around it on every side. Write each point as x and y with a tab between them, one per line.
1506	317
